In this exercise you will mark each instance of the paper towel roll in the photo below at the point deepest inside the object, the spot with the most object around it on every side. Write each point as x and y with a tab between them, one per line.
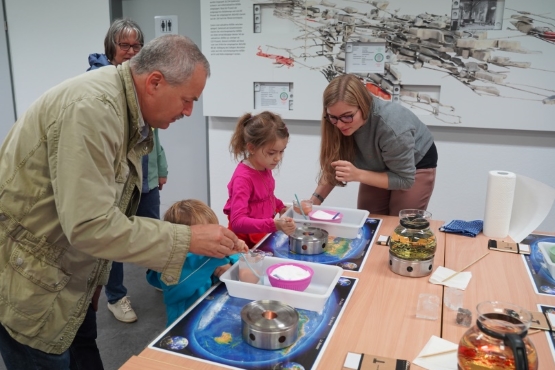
499	203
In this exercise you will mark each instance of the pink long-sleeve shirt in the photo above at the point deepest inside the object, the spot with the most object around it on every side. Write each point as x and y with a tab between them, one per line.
252	204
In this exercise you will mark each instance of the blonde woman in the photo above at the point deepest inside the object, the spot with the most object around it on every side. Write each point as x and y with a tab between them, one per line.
381	145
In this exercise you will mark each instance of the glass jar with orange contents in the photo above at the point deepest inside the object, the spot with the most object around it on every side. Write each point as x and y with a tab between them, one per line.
306	206
498	340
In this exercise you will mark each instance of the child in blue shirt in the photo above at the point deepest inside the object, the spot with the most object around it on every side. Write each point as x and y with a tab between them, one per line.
199	273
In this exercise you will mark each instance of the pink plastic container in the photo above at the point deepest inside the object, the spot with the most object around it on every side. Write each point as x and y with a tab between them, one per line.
298	285
337	220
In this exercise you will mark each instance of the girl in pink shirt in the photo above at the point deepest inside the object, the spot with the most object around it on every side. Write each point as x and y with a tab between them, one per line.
258	144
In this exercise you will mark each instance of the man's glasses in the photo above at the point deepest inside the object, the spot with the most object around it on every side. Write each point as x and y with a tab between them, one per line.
346	118
125	47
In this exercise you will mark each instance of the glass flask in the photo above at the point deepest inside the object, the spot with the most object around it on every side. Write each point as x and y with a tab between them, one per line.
499	334
412	239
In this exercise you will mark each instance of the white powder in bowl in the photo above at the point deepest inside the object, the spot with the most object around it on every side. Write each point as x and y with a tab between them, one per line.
290	272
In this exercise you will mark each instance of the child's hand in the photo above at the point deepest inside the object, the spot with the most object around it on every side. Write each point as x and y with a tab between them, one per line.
221	269
283	210
285	224
241	246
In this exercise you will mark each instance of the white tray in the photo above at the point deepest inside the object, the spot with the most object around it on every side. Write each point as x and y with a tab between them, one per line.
313	298
353	220
544	249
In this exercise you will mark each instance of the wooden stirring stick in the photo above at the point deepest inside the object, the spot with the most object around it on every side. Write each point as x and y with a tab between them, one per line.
439	353
464	268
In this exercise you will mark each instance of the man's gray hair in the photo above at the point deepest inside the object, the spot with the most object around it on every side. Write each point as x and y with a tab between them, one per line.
175	56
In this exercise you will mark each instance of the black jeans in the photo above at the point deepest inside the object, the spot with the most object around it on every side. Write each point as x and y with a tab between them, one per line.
83	353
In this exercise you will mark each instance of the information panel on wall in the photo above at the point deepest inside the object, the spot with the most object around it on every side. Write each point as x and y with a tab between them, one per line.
455	63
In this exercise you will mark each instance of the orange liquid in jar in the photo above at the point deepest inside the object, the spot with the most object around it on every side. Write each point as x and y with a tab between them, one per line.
306	206
477	353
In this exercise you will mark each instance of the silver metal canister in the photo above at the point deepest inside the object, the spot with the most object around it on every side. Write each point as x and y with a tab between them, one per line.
308	240
268	324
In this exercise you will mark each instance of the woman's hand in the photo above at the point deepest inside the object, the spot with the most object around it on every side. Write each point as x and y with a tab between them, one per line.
345	171
285	224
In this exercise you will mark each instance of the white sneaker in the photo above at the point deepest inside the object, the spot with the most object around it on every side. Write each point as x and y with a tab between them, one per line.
122	310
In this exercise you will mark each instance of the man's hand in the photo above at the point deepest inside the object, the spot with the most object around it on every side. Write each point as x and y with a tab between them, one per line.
212	240
161	182
241	247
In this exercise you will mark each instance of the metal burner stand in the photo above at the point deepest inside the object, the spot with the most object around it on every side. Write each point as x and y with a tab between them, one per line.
269	324
410	268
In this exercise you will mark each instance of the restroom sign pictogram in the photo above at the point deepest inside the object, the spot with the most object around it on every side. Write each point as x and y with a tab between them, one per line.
165	25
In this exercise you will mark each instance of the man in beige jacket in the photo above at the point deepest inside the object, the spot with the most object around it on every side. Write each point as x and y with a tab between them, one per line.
70	182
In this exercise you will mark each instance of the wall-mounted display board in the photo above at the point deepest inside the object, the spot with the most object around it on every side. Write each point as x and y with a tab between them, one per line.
273	96
471	63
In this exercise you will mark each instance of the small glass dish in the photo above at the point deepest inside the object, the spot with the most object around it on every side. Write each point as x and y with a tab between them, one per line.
306	205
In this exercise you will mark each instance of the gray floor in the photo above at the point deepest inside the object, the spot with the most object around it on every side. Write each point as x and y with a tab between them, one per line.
118	341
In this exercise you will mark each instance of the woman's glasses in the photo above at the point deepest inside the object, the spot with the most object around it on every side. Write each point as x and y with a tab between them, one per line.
125	47
345	118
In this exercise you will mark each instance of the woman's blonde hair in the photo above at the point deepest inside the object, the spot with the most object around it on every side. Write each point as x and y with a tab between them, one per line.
258	130
190	212
334	145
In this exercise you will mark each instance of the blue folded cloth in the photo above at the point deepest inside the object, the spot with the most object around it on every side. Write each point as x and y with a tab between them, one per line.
467	228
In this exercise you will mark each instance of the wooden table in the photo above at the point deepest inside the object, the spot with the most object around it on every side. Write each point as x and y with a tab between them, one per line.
499	276
379	319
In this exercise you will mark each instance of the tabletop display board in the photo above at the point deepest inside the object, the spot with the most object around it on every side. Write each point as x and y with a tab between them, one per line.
485	64
550	334
541	269
350	254
211	332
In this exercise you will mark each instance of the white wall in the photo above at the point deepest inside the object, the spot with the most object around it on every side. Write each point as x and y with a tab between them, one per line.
465	157
522	90
185	142
7	113
50	42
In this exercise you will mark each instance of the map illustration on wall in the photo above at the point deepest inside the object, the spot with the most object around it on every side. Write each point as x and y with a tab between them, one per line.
471	63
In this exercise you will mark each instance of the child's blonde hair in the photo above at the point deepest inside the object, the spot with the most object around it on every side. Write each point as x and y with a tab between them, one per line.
190	212
257	130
